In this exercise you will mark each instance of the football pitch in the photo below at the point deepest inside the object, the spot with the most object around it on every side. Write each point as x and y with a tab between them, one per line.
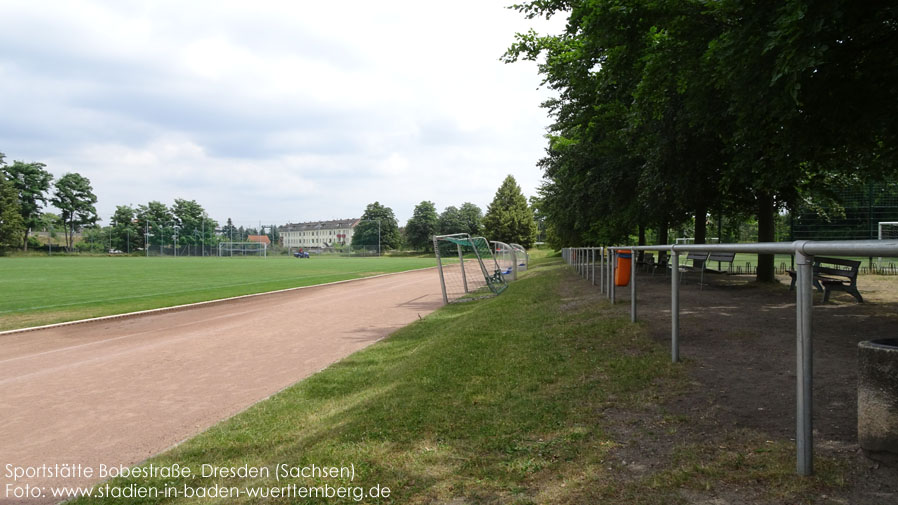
39	291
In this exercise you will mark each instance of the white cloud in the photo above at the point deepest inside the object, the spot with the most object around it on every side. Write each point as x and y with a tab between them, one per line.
273	110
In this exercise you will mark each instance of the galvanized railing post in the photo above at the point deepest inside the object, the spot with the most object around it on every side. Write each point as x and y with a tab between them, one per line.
674	307
804	432
609	267
632	285
613	268
592	255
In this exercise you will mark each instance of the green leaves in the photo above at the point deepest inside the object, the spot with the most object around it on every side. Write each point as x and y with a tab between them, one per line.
75	199
508	218
422	226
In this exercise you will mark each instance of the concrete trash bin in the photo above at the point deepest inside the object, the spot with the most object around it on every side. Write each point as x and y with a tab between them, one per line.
877	399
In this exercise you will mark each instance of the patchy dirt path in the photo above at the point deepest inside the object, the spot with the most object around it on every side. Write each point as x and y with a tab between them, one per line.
116	392
738	339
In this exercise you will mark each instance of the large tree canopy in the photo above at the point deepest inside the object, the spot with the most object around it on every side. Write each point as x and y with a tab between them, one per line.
31	182
667	111
12	226
422	226
377	226
75	200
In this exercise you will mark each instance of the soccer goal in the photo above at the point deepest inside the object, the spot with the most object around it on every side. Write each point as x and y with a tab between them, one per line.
521	255
467	268
506	259
888	230
243	249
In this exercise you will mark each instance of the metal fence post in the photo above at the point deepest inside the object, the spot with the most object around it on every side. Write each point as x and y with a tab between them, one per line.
608	269
804	428
592	255
601	269
611	277
675	307
632	285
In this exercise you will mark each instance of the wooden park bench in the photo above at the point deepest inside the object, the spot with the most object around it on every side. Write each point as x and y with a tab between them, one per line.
833	274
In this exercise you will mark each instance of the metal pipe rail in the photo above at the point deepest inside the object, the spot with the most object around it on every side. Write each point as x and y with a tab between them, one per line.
804	251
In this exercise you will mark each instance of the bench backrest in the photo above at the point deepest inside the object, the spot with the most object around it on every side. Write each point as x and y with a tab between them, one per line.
849	271
701	256
723	257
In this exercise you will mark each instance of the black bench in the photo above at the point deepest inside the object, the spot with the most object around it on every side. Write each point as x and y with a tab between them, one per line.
833	274
721	257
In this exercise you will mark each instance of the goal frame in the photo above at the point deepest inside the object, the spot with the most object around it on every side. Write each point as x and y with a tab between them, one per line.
227	249
495	282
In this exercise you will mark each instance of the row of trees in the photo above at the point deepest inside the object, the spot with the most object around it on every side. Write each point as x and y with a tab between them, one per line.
667	112
508	219
24	193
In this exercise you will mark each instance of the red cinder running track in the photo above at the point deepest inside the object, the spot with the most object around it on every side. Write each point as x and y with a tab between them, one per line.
118	391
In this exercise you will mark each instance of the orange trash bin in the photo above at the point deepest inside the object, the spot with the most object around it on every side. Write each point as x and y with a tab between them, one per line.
622	274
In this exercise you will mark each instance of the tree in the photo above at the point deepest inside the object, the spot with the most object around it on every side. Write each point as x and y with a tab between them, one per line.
422	226
377	217
508	218
229	232
156	221
12	226
196	226
52	224
472	219
124	232
75	200
667	111
450	221
31	181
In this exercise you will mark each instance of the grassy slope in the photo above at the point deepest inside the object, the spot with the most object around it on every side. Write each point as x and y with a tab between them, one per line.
49	290
517	399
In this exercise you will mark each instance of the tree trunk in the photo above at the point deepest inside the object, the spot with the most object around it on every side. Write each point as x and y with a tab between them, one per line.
641	241
766	233
25	245
701	230
701	225
663	238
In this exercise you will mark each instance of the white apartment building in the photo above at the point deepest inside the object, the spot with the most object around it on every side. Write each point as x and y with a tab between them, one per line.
318	233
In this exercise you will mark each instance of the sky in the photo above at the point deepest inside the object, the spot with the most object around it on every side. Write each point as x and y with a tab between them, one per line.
273	111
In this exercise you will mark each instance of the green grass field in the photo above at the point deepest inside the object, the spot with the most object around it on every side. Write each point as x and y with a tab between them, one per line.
520	399
40	290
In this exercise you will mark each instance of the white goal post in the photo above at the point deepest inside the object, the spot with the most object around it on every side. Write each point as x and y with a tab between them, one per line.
231	249
887	230
506	257
521	255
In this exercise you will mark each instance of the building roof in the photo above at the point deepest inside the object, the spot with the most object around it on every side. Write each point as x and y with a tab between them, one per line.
259	238
335	224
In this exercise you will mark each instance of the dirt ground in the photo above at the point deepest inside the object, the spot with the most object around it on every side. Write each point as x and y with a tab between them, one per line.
117	391
738	339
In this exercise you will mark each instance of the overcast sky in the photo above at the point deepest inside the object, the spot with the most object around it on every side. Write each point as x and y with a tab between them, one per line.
273	111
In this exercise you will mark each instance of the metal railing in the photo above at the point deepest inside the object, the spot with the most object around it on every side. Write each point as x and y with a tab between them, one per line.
804	251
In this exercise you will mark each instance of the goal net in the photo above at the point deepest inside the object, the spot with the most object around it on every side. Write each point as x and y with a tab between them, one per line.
521	256
243	249
505	258
888	230
467	268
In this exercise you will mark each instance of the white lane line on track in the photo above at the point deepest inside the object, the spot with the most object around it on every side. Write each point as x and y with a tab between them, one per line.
197	304
153	330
